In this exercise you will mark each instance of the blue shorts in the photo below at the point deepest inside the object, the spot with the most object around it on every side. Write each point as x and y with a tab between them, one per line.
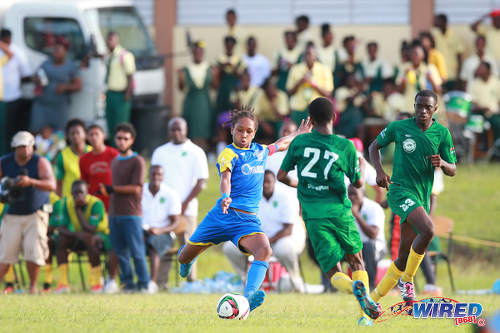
217	227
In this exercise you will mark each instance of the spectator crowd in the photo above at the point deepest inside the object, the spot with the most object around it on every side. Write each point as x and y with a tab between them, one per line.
66	191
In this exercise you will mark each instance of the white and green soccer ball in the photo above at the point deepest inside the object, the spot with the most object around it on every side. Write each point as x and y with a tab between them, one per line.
233	306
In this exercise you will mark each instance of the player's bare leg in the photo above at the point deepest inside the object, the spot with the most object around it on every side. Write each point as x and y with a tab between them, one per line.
258	246
187	255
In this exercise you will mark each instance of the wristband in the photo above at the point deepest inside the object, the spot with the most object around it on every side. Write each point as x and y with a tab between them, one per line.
109	189
224	196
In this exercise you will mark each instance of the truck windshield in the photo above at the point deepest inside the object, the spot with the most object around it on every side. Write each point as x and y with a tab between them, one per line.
133	34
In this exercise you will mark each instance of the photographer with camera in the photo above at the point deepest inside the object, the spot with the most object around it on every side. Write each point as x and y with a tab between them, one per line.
27	192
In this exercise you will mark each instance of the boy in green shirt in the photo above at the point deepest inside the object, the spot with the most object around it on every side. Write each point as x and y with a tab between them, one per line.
323	160
422	144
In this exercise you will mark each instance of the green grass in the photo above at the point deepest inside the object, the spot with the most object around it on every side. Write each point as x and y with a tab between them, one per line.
196	313
470	199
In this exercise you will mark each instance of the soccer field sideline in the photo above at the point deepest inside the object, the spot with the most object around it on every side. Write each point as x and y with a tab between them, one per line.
196	313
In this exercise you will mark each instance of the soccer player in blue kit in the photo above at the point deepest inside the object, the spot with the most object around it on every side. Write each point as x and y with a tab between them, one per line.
241	167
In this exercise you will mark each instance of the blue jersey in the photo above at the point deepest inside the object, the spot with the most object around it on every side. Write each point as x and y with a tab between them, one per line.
247	166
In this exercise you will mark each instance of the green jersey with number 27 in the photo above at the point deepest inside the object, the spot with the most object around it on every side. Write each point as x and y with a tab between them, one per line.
322	163
412	168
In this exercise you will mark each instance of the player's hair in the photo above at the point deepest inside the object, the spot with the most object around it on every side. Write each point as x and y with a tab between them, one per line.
442	17
325	28
303	18
427	93
267	172
78	182
244	112
72	123
229	39
127	128
5	33
94	126
321	110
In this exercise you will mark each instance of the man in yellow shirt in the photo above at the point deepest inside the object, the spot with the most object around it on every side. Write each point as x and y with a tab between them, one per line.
120	67
491	32
450	46
67	163
271	106
307	81
416	76
485	93
5	55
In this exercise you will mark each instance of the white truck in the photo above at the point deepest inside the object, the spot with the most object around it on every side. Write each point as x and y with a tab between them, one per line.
35	23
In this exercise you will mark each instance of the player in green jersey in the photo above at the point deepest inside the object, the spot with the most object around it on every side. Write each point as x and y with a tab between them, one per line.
421	144
323	160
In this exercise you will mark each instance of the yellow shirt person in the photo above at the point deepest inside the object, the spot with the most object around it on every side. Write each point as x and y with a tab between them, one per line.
485	94
450	46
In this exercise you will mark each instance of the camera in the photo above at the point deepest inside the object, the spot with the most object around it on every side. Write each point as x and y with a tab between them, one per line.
9	192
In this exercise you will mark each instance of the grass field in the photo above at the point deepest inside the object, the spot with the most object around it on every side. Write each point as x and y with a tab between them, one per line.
471	199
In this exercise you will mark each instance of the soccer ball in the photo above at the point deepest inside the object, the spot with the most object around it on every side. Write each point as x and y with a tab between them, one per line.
233	306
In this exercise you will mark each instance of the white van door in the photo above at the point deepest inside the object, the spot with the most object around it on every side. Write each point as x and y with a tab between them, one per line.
34	28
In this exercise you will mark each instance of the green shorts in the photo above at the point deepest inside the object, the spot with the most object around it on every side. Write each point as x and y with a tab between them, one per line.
403	202
333	238
105	240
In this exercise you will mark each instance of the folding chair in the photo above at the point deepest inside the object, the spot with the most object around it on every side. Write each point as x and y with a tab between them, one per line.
443	227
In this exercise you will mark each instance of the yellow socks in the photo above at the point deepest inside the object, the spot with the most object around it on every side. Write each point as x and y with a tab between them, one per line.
390	279
63	275
342	282
9	276
47	269
412	264
95	276
363	277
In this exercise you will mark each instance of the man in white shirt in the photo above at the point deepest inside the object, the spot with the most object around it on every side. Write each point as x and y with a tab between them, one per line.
370	219
279	216
16	70
186	171
259	67
161	207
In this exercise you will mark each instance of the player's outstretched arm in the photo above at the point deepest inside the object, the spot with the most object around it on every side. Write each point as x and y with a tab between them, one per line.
383	180
284	142
225	190
286	179
449	169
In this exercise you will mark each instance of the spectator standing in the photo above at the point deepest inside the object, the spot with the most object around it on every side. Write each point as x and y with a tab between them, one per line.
161	207
14	72
83	226
485	93
327	54
120	68
286	58
233	29
186	171
347	62
450	46
280	219
5	57
304	33
67	162
56	79
472	63
125	211
432	55
258	66
491	32
95	166
375	70
195	80
370	219
229	68
307	81
27	217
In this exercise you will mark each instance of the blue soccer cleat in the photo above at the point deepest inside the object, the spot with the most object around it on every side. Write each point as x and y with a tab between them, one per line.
369	306
363	321
185	269
256	299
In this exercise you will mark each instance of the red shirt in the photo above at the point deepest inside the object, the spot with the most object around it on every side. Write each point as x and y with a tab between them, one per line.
96	169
